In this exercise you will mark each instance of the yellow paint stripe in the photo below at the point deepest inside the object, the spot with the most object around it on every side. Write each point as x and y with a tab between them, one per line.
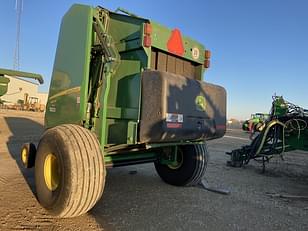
65	92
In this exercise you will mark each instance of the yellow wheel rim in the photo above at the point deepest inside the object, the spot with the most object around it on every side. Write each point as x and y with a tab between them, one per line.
24	155
178	163
51	172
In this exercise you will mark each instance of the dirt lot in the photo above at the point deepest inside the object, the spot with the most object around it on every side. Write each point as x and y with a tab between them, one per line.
141	201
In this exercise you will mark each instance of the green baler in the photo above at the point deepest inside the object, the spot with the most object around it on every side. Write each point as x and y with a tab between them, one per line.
124	90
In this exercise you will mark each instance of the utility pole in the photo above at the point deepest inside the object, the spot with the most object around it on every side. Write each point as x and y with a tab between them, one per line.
18	8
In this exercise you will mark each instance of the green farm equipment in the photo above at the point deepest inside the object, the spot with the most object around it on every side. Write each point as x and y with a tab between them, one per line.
124	90
4	81
255	122
285	130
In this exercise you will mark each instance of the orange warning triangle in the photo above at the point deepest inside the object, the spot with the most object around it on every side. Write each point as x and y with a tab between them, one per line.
175	43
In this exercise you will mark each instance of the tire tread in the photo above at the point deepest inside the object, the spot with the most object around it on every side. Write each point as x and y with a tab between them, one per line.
86	170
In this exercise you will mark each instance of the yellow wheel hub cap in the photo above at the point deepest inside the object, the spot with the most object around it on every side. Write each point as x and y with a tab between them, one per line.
51	172
24	155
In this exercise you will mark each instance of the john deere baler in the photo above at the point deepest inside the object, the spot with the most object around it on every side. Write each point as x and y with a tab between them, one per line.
124	90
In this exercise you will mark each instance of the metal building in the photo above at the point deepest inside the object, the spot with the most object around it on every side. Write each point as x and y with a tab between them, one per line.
19	88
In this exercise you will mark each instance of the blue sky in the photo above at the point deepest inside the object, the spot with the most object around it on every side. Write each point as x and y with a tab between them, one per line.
258	47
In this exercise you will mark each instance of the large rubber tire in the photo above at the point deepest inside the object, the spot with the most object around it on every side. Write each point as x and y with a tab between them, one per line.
191	169
77	171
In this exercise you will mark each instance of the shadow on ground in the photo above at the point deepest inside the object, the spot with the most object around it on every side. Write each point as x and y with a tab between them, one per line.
129	192
135	198
23	130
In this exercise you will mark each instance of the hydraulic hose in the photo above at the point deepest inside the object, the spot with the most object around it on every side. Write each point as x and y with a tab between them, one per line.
270	125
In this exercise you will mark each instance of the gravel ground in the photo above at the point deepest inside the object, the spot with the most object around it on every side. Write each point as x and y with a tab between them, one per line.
136	199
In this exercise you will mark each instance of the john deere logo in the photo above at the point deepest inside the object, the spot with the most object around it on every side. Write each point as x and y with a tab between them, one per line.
195	53
200	103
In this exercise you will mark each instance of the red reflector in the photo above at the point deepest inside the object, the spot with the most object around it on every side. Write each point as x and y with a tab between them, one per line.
175	43
221	126
174	125
147	41
147	28
206	63
207	54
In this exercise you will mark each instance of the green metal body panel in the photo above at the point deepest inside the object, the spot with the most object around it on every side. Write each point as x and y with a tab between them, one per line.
96	79
280	108
111	160
298	143
125	88
161	35
69	84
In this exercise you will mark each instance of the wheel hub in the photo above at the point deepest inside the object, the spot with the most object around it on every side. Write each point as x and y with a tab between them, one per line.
51	172
178	162
24	155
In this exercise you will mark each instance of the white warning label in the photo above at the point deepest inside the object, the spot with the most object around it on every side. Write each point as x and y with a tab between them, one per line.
174	118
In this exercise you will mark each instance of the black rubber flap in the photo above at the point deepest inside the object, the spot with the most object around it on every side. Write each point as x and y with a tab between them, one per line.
175	108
